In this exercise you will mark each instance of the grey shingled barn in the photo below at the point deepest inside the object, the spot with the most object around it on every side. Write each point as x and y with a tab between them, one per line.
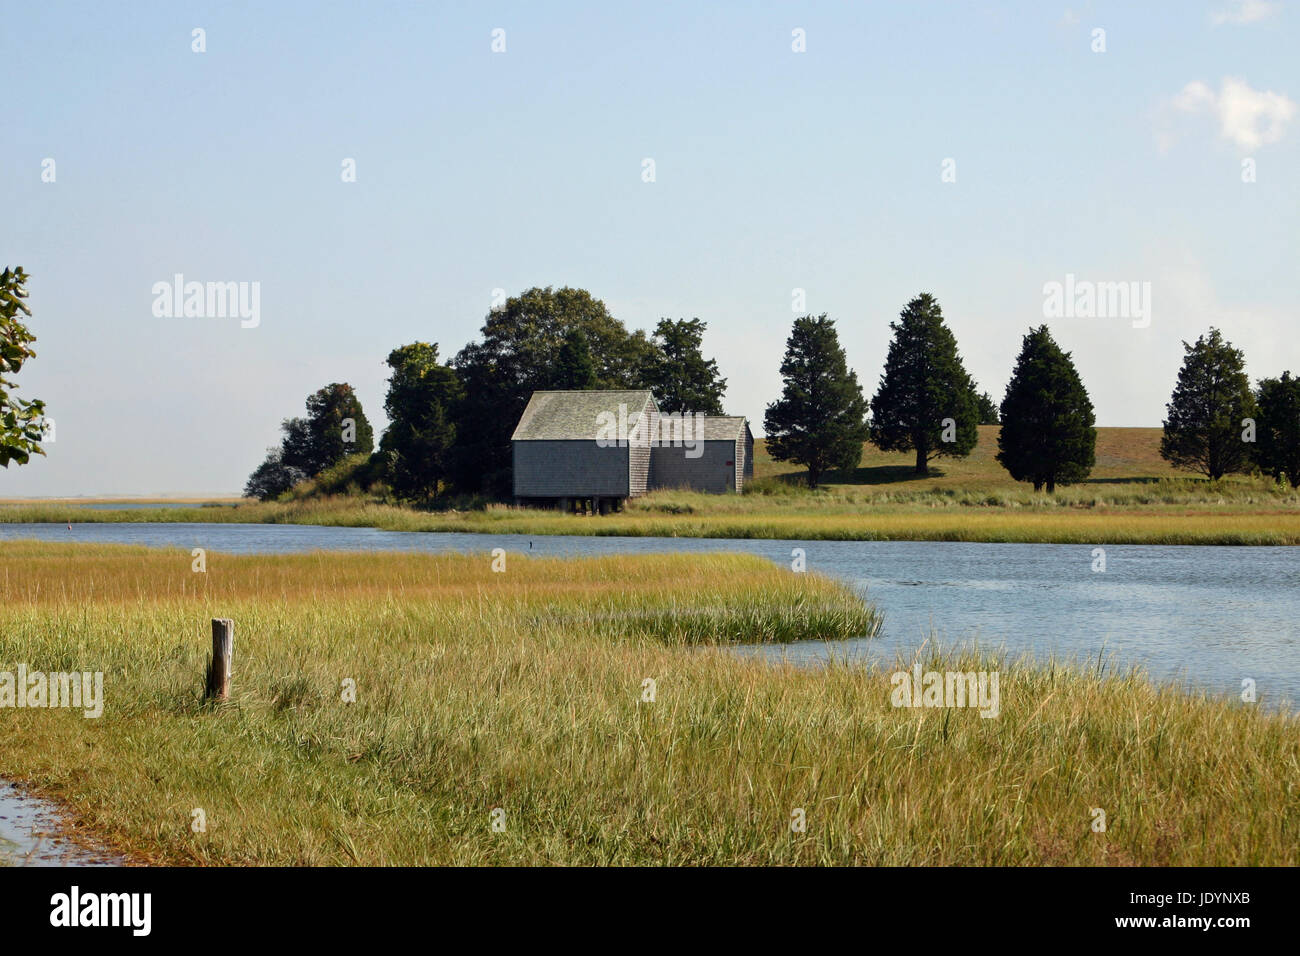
598	448
562	452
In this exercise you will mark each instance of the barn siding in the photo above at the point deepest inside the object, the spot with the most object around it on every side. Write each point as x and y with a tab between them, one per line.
709	472
571	469
639	452
744	459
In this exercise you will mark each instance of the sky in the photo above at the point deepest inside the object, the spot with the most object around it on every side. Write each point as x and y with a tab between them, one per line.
831	157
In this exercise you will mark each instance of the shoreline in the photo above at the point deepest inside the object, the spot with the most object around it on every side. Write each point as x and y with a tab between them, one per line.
37	829
1060	524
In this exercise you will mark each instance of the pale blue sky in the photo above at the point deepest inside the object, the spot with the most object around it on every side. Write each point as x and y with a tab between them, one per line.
476	170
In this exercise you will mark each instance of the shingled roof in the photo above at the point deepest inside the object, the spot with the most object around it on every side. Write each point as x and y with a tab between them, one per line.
724	427
572	415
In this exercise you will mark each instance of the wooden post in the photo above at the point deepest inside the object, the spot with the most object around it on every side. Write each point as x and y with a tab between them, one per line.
223	647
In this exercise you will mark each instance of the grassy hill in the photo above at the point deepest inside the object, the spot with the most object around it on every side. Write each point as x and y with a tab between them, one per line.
1123	455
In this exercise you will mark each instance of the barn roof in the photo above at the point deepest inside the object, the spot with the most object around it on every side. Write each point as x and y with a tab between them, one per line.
724	427
572	415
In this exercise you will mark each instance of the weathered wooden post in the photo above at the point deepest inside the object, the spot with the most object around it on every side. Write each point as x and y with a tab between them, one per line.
223	647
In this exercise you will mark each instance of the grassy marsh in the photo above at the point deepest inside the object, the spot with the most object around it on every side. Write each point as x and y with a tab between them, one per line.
522	691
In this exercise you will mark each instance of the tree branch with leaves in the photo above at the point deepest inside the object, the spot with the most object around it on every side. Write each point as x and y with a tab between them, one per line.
22	423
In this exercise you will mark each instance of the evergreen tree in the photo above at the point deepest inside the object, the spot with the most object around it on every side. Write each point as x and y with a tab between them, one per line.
1047	435
682	379
1205	417
1277	441
574	367
820	420
986	410
926	402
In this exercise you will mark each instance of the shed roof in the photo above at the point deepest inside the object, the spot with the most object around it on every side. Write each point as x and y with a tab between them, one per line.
724	427
572	415
673	429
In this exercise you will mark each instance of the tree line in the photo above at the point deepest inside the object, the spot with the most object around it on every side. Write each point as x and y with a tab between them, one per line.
451	420
926	404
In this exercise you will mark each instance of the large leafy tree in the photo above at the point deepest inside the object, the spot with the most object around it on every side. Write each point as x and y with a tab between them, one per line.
1204	418
519	350
423	394
682	379
1277	440
1047	435
820	419
924	385
22	423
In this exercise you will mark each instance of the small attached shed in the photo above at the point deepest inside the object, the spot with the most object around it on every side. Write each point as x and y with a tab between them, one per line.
721	461
578	446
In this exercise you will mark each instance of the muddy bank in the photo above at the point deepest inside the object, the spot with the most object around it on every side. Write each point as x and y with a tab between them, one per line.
31	834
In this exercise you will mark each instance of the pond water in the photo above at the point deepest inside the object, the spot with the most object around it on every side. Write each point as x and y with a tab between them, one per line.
1206	616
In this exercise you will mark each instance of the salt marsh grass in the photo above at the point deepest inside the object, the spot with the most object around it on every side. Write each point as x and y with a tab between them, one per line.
524	691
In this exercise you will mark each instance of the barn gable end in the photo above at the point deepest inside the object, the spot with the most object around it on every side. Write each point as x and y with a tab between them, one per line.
584	444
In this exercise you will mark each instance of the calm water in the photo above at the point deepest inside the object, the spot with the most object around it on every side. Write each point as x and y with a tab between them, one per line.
1210	616
137	505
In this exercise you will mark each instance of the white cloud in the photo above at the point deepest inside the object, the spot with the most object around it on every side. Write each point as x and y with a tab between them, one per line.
1247	117
1245	11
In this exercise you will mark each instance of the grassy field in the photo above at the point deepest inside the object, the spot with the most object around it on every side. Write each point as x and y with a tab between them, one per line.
1124	455
522	692
1132	498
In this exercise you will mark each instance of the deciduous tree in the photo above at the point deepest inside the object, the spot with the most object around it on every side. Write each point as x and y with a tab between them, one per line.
22	423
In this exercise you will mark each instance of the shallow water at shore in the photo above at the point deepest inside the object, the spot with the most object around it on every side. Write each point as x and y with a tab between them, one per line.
31	835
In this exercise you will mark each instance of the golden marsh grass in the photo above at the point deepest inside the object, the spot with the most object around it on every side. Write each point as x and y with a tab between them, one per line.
523	691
